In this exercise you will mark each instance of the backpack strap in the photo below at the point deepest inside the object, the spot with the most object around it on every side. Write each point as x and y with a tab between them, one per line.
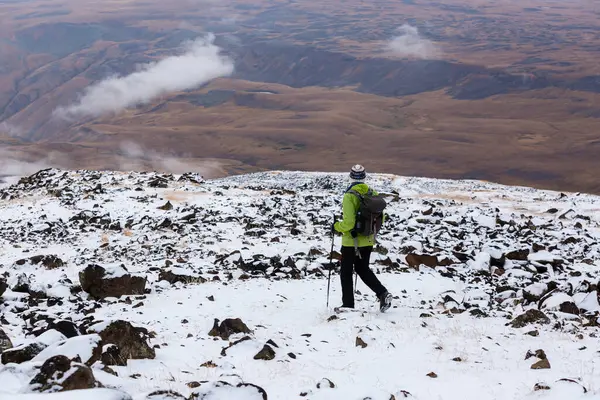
354	192
352	185
353	232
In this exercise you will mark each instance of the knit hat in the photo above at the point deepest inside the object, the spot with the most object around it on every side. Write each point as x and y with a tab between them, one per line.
358	173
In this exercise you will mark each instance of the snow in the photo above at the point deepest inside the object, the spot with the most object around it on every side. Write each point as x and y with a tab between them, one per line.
47	338
542	256
81	346
115	270
588	302
536	289
399	357
88	394
473	357
555	300
481	262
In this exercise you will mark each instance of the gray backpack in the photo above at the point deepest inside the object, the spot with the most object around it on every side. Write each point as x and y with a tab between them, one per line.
369	217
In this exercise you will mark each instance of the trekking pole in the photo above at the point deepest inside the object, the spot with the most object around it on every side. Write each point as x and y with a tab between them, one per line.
330	260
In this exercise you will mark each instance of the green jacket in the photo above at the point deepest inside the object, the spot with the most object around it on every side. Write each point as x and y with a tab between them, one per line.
350	205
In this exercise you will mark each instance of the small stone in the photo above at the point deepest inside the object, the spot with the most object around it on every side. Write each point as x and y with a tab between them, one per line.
541	386
533	333
542	364
360	342
530	317
228	327
267	353
166	207
432	375
323	383
209	364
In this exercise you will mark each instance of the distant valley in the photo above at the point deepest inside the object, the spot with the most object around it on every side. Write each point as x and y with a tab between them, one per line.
503	92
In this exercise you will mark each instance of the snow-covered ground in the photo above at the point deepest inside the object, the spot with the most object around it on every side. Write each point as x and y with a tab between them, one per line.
256	247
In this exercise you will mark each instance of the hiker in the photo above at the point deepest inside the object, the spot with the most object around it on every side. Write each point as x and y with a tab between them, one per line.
357	247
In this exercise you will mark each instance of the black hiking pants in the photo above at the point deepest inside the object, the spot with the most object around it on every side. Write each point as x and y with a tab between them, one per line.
351	262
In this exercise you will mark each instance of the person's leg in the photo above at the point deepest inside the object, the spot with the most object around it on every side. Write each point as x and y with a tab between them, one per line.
366	274
347	267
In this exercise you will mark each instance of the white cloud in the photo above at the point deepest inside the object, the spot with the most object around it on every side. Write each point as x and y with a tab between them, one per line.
137	158
12	165
200	63
410	44
10	130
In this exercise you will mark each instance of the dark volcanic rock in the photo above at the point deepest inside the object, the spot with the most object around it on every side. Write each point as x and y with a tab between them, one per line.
5	342
129	343
100	283
225	390
172	277
59	374
414	260
518	255
22	354
530	317
165	395
49	261
67	328
267	353
228	327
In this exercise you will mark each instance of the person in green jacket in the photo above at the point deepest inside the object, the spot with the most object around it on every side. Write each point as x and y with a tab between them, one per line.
356	251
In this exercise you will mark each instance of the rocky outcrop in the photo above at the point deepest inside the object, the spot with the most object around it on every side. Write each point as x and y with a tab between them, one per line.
116	282
22	354
121	341
530	317
222	389
176	275
228	327
48	261
60	374
266	353
3	285
5	342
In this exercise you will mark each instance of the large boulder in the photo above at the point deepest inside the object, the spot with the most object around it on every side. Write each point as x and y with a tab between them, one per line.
78	347
48	261
3	285
225	390
121	341
531	316
5	342
59	374
177	274
228	327
27	351
21	354
115	281
560	302
414	260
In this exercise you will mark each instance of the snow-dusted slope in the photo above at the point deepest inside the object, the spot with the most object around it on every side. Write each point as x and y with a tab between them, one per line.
484	276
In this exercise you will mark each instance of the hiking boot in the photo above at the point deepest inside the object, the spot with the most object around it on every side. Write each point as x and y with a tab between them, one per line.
343	308
385	301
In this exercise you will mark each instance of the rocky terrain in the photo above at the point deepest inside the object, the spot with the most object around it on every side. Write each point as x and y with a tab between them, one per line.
153	286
